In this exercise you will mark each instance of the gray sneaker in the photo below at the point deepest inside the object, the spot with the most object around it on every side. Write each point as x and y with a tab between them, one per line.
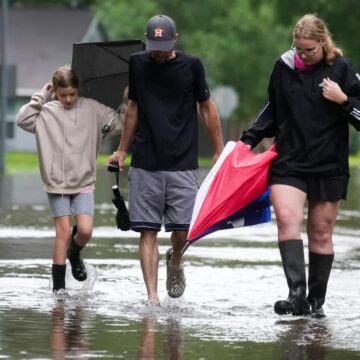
175	279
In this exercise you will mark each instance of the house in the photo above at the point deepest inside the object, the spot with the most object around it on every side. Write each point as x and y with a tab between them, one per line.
39	41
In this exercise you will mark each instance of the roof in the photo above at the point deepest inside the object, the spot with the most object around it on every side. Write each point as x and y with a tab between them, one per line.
40	40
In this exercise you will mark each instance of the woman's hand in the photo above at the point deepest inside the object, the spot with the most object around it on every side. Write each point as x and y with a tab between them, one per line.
333	92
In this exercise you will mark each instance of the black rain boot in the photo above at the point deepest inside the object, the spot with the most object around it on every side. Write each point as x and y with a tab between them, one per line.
58	276
78	268
292	255
319	271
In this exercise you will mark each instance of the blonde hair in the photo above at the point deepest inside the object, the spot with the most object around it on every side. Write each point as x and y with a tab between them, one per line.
312	27
64	77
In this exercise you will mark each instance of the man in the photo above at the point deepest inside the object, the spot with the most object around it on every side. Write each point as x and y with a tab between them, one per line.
165	86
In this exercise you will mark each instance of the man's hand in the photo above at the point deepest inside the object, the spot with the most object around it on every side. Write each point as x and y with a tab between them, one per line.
117	157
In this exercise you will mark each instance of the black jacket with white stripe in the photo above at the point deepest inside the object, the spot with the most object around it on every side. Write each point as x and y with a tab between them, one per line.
311	133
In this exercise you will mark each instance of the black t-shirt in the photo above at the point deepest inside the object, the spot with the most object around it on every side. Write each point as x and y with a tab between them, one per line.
166	96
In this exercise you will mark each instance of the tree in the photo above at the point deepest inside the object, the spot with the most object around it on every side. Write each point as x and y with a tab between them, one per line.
239	50
340	16
125	19
231	37
51	3
237	40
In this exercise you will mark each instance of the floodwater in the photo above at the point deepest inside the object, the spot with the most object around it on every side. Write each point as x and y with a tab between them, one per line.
233	278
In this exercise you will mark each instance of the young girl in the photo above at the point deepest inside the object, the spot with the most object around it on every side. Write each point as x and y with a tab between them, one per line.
68	137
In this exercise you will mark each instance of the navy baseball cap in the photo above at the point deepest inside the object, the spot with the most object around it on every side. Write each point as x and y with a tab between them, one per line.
160	33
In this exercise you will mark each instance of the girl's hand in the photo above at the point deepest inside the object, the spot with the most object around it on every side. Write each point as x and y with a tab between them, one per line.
49	87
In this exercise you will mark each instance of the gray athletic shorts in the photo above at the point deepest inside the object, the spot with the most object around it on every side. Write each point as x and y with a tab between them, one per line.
161	196
72	204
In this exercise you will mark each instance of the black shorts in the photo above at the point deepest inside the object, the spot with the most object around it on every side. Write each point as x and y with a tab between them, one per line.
331	188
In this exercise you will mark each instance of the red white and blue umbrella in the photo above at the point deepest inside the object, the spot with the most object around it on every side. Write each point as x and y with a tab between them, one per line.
235	192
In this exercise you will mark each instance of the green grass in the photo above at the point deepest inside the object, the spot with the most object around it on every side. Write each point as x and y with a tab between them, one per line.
19	162
24	162
354	160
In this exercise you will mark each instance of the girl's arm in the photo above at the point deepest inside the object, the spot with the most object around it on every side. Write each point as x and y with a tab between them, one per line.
29	113
130	125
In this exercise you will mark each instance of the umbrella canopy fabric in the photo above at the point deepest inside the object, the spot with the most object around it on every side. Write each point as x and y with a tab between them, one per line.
234	193
103	69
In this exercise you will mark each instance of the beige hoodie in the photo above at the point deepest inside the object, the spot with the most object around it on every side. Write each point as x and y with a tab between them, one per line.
68	140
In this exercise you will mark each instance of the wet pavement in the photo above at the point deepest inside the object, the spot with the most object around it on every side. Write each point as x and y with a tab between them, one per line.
234	277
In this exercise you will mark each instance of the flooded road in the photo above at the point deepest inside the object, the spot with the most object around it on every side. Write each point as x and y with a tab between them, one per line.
233	279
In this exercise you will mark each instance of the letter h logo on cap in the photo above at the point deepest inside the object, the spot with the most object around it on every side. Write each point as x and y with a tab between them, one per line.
160	33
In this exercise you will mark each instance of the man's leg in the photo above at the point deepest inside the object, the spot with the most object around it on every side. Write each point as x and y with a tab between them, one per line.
182	187
175	276
149	260
178	241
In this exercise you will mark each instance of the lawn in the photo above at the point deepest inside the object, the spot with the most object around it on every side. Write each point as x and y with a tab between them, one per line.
24	162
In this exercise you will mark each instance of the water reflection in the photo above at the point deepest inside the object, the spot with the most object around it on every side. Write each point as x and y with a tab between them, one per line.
147	347
226	312
67	338
304	339
160	341
173	339
158	338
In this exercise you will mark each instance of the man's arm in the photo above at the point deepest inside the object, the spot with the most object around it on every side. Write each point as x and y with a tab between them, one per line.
130	124
210	117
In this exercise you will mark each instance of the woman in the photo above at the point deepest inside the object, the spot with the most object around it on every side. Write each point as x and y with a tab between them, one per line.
68	137
314	93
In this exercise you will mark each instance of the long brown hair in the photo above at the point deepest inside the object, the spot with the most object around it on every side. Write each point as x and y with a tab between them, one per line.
64	77
312	27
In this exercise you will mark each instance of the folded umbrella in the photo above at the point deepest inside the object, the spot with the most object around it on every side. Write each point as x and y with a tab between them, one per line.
234	193
122	214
